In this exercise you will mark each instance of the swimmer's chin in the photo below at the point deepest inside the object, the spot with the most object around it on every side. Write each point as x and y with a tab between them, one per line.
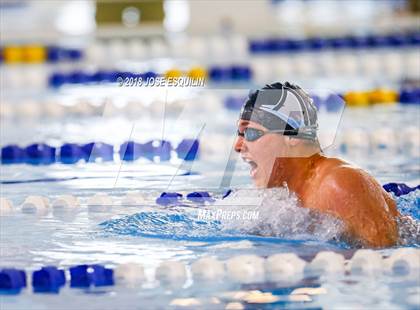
260	184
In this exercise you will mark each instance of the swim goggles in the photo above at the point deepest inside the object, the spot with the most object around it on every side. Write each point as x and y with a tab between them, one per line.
252	134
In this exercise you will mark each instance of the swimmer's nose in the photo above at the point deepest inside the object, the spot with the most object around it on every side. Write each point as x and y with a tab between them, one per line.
239	144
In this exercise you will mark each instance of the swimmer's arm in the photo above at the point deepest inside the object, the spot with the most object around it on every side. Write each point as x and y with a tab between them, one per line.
356	198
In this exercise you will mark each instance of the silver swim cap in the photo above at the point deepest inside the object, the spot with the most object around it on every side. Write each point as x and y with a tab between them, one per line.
282	107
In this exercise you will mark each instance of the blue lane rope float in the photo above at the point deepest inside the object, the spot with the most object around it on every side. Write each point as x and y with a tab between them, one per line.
227	193
400	189
12	154
200	197
410	96
317	44
91	275
95	150
167	198
406	95
48	279
40	154
188	149
130	151
12	280
173	198
52	180
70	153
217	74
334	102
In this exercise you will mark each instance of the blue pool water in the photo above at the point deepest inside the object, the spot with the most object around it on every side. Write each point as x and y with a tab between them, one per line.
149	234
208	223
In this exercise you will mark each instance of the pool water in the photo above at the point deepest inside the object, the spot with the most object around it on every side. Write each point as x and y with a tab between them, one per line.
149	234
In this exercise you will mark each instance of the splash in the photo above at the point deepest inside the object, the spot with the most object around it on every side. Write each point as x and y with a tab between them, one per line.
409	222
254	214
245	214
159	224
279	215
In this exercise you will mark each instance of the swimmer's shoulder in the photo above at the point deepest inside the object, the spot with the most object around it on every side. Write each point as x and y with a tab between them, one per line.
356	197
353	178
341	181
331	170
337	170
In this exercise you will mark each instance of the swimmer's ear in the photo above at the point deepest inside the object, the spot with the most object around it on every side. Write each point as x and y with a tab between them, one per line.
292	141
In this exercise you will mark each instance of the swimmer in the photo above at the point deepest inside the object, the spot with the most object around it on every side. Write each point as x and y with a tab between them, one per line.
277	136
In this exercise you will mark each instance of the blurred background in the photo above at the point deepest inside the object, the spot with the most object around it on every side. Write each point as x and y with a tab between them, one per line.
77	129
61	97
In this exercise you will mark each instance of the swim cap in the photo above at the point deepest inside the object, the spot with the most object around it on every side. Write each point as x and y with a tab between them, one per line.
280	106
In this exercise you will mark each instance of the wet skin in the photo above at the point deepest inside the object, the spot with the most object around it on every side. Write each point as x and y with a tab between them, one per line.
328	185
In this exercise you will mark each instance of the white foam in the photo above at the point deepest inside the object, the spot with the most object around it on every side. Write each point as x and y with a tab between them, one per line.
35	204
245	269
66	202
287	266
208	269
6	206
243	244
366	261
171	273
129	274
276	212
326	262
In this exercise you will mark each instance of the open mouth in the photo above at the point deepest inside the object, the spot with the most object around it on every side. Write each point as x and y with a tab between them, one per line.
253	165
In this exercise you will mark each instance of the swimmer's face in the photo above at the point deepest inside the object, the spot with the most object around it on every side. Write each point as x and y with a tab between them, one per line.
262	153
